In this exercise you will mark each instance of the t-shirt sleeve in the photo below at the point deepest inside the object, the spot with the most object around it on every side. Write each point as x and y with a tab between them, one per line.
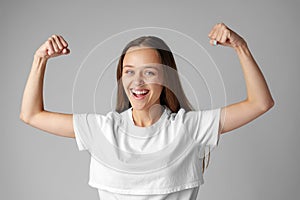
203	125
85	127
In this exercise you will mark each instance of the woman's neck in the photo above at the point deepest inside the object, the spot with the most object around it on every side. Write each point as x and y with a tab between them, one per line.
147	117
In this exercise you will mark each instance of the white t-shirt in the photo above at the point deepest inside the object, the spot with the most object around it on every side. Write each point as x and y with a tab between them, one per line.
161	161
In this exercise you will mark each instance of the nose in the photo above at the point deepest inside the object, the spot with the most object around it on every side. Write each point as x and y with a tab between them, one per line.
138	79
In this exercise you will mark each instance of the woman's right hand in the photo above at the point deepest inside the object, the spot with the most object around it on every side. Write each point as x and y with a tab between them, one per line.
54	46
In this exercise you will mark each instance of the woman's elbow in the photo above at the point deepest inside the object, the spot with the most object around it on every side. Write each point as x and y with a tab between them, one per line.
268	105
24	118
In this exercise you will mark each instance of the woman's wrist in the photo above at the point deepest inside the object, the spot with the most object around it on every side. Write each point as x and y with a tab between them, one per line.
242	48
39	62
39	57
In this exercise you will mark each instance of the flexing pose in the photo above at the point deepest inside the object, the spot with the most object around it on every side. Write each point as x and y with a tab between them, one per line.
154	144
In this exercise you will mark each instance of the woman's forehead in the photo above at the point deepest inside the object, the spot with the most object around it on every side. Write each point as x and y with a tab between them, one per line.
154	66
140	56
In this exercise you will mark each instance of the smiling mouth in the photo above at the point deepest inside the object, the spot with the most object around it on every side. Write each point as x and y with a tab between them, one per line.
139	94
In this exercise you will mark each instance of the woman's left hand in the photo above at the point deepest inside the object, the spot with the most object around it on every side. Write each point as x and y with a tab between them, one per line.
221	34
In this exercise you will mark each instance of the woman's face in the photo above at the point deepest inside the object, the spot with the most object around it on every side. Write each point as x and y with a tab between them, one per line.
142	77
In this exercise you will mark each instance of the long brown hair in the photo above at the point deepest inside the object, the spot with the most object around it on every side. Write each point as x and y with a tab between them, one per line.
172	94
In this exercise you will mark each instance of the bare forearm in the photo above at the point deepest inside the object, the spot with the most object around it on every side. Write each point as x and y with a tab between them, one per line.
32	102
32	109
257	88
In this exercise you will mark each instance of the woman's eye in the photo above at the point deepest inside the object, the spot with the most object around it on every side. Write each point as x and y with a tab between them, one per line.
149	73
129	72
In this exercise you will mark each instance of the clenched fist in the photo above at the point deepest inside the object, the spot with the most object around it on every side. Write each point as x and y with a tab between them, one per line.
221	34
54	46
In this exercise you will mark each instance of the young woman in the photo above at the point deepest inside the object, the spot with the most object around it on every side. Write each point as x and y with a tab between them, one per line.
154	145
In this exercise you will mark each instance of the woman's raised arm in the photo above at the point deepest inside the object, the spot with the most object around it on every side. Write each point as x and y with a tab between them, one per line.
259	99
32	110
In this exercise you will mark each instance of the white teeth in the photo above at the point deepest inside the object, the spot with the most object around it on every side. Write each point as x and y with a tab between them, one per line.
139	92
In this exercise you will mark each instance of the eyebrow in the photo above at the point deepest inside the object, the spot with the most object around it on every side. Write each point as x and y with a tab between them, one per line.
148	66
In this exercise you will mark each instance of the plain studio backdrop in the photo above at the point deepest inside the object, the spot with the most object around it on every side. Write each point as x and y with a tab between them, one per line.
257	161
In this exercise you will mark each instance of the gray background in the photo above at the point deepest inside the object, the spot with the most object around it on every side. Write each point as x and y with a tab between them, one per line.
257	161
